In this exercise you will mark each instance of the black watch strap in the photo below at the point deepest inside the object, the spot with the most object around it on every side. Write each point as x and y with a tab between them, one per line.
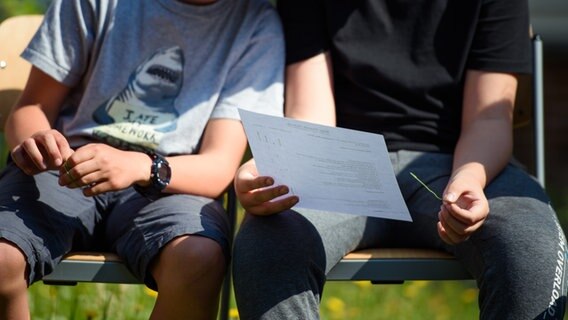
160	175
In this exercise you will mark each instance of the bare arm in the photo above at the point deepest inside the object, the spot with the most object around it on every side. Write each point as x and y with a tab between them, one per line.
37	147
309	90
309	97
486	141
483	150
99	168
34	145
212	170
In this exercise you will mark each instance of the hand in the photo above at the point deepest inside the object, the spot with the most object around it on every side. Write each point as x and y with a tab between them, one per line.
45	150
256	194
99	168
463	211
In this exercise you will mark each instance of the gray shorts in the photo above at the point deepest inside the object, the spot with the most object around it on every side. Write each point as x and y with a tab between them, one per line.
47	221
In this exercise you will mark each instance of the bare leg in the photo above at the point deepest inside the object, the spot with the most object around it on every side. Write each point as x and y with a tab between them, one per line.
13	283
189	272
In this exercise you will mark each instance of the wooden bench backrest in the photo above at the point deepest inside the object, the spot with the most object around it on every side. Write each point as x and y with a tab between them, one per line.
15	34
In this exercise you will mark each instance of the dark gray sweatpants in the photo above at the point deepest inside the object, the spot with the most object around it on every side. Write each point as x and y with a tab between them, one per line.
518	256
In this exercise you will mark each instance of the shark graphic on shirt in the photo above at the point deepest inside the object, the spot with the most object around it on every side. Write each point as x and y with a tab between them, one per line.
138	116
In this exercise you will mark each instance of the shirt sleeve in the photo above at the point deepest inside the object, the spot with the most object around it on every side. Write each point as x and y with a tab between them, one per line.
304	28
256	80
502	42
63	43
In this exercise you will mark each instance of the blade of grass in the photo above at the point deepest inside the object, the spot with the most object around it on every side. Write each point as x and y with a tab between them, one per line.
425	186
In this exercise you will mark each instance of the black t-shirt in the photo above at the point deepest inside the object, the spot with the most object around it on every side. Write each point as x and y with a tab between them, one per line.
399	65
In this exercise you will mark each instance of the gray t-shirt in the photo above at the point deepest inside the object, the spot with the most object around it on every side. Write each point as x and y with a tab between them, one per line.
149	74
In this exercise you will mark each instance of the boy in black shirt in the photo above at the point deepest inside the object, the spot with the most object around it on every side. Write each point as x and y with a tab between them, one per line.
437	79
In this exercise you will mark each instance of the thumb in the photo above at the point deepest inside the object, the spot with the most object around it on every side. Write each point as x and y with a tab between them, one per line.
64	148
66	153
246	177
452	192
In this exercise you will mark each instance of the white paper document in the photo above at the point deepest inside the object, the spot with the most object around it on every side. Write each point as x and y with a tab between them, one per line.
328	168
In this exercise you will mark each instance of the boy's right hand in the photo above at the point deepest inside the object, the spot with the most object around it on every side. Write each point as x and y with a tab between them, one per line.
256	194
45	150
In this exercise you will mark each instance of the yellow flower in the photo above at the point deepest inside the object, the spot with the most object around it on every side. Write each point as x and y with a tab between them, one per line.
233	314
150	292
364	284
469	295
412	289
336	306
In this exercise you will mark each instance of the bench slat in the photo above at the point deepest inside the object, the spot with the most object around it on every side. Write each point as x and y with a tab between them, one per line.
90	267
379	265
388	265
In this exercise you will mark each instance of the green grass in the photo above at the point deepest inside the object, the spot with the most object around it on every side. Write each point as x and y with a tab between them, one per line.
342	300
411	300
90	301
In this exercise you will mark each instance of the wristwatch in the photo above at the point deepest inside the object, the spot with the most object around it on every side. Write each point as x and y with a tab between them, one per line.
160	175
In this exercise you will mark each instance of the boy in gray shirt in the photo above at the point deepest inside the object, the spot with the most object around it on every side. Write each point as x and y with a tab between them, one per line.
126	134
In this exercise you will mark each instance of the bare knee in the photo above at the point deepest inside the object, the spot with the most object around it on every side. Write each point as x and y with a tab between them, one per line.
12	268
189	260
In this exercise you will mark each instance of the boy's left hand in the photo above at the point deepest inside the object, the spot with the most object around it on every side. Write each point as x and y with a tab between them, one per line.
463	211
99	168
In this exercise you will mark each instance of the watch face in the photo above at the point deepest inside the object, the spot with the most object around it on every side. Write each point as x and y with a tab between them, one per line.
163	172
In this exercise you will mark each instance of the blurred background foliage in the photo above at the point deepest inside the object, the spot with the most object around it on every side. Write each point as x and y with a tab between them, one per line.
10	8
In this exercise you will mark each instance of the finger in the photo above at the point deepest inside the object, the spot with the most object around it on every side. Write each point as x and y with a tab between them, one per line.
468	217
81	155
30	147
63	147
23	162
268	194
246	181
448	236
66	176
269	208
455	236
453	191
450	223
460	194
443	234
96	189
51	150
78	176
89	179
259	183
